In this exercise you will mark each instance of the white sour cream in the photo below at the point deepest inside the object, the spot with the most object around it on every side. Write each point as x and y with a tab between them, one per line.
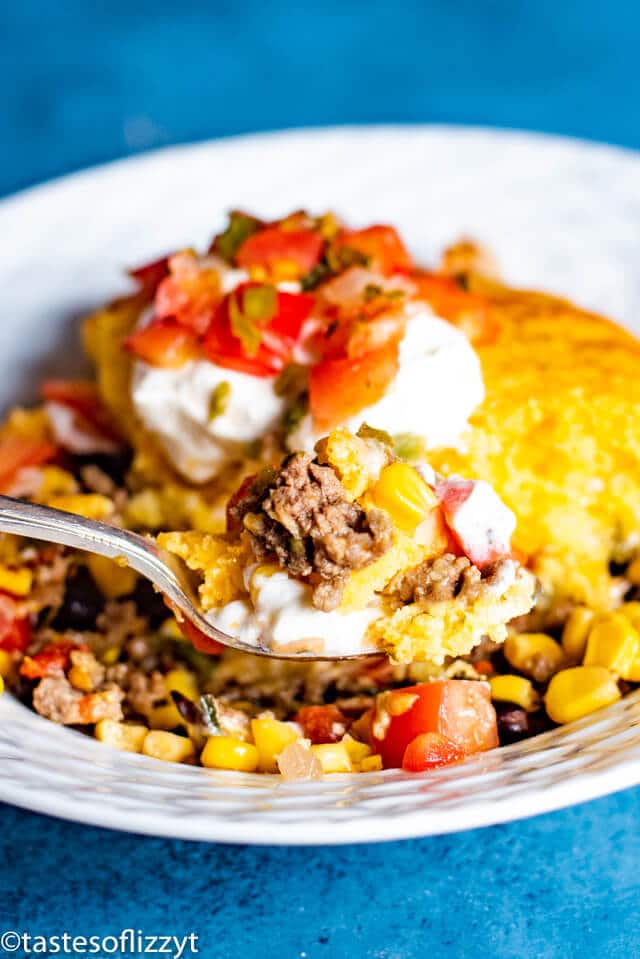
280	613
174	405
438	385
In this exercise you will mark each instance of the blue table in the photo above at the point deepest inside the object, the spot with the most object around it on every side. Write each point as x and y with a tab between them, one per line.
84	87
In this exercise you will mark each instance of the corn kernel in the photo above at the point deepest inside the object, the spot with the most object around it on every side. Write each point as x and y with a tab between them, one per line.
111	655
89	505
171	630
15	581
632	612
614	643
402	492
6	663
113	580
633	572
578	691
227	752
182	681
357	750
167	746
334	757
80	678
534	654
56	481
575	633
371	764
515	689
165	717
128	738
1	685
271	736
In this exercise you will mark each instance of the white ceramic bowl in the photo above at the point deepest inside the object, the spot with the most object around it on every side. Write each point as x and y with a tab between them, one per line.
560	214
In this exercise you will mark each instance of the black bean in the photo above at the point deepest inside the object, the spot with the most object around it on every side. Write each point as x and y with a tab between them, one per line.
115	465
82	604
150	603
515	723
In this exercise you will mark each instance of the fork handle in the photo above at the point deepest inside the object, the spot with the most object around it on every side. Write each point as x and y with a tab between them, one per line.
68	529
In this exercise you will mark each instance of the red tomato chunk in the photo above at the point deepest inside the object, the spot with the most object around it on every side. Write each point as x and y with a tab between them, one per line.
458	709
430	750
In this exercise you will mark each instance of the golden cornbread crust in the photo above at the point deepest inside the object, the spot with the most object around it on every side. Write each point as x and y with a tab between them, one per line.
558	437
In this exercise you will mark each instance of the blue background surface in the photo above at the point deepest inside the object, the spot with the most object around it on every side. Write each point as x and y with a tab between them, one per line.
84	83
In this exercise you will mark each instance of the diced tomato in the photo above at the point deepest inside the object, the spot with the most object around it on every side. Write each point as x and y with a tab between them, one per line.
274	247
481	523
53	660
341	387
190	293
430	750
322	724
382	244
199	640
16	452
163	343
458	709
484	667
278	336
150	275
15	631
83	397
468	311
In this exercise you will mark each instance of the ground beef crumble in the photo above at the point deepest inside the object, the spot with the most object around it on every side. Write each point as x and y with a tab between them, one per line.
445	578
303	518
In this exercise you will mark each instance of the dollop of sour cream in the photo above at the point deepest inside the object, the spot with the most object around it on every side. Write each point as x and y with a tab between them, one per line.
280	615
437	387
175	405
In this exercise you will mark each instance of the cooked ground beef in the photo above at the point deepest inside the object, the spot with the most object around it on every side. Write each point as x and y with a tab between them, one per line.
303	518
56	699
445	578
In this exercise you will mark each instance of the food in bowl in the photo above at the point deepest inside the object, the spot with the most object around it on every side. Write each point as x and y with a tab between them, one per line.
473	455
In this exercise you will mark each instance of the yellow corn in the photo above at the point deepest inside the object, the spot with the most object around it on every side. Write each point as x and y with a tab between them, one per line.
534	654
575	633
515	689
89	505
56	481
227	752
632	612
128	738
165	717
111	655
182	681
614	643
370	764
271	736
1	685
113	579
6	663
578	691
402	492
80	678
171	630
334	757
178	680
357	750
633	572
15	581
167	746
